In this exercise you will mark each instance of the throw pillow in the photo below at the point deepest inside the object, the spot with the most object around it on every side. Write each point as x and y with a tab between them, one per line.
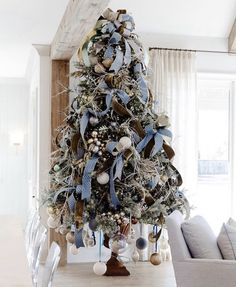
200	239
227	241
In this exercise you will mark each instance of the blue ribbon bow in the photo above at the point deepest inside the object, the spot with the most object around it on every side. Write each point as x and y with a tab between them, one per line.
108	106
156	135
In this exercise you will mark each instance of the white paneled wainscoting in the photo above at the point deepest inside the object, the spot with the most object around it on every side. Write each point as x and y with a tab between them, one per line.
13	146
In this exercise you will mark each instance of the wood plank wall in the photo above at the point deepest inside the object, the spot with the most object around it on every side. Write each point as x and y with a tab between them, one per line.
59	109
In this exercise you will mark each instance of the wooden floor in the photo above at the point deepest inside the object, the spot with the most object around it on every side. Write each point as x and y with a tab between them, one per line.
142	274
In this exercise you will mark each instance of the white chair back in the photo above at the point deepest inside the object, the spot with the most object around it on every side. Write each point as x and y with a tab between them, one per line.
51	264
37	251
31	229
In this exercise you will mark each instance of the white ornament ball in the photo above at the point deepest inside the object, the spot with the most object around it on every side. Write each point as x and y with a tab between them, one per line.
131	239
103	178
99	268
74	250
135	256
53	222
164	244
124	143
91	242
93	121
56	167
70	237
63	230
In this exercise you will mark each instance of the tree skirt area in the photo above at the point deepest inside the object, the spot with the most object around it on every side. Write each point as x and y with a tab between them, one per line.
142	274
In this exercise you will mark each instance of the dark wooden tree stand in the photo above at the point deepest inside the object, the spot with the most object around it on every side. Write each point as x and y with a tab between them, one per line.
115	267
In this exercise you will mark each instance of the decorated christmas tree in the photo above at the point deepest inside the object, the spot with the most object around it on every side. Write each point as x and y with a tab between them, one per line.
113	166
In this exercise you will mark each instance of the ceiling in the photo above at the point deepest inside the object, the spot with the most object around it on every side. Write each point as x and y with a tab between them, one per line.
206	18
26	22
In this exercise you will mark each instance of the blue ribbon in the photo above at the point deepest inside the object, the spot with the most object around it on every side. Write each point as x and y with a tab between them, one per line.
71	202
135	137
119	167
109	52
149	135
78	238
79	188
125	17
118	62
111	146
114	199
138	68
115	38
80	152
83	123
165	132
123	96
87	177
110	27
66	190
102	85
100	245
153	182
143	89
127	56
157	145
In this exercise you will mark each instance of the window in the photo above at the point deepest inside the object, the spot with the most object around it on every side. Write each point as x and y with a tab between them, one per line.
214	189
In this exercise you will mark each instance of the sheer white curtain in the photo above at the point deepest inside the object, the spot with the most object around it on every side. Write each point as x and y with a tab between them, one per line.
173	83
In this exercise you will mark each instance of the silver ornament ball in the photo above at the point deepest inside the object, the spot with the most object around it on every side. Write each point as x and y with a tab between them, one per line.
103	178
93	121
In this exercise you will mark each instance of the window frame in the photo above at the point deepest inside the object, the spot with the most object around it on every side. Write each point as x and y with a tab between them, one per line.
231	78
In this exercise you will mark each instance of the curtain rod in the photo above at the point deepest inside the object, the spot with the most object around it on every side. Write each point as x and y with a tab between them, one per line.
198	51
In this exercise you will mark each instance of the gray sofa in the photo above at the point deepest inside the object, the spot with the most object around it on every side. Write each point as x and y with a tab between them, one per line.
190	272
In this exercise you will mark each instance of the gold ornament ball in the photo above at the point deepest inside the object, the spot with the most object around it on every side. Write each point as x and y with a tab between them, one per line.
151	237
63	230
52	211
155	258
74	250
70	237
53	222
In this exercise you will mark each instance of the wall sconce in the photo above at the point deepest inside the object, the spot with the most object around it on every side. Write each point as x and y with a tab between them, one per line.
16	139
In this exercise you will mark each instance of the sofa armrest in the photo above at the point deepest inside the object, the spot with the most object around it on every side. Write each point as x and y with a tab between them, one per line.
205	272
222	262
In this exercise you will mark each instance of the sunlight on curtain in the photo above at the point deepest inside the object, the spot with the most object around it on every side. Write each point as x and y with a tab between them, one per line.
173	82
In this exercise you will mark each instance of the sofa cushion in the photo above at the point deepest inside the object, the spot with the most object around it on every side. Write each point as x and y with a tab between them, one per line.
200	239
227	241
231	222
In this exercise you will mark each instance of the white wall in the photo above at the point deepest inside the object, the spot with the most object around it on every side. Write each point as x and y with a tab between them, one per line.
13	160
216	63
38	75
205	62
